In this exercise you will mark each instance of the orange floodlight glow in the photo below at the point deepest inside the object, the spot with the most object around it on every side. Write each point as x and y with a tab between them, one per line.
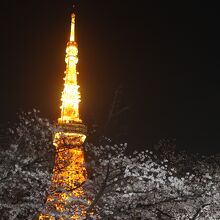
69	172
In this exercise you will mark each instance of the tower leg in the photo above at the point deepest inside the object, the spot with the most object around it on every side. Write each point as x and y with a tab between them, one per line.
67	198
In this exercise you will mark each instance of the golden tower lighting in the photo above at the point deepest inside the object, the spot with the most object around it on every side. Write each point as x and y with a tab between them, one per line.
69	172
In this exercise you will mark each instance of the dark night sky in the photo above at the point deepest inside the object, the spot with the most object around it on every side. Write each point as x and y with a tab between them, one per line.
166	57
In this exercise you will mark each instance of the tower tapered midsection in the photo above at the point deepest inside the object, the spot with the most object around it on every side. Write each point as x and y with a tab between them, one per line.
70	95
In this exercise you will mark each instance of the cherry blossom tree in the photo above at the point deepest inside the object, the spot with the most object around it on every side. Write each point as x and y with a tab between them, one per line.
26	162
142	185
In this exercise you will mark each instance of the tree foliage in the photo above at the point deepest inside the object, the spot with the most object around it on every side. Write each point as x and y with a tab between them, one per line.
142	185
26	162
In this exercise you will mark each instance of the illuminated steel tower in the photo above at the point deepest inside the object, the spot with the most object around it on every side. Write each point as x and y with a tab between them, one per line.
69	172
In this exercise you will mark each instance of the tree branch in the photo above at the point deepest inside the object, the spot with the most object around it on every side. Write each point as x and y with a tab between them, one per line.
99	194
165	214
198	211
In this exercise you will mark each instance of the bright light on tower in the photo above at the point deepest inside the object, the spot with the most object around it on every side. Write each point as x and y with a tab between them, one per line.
69	171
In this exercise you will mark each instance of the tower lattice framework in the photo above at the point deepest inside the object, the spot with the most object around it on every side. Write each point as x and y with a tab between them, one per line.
69	172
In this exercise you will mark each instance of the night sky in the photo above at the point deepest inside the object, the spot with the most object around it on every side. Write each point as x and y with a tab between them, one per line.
164	57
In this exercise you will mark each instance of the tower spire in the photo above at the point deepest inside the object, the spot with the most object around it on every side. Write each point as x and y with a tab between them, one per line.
72	33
